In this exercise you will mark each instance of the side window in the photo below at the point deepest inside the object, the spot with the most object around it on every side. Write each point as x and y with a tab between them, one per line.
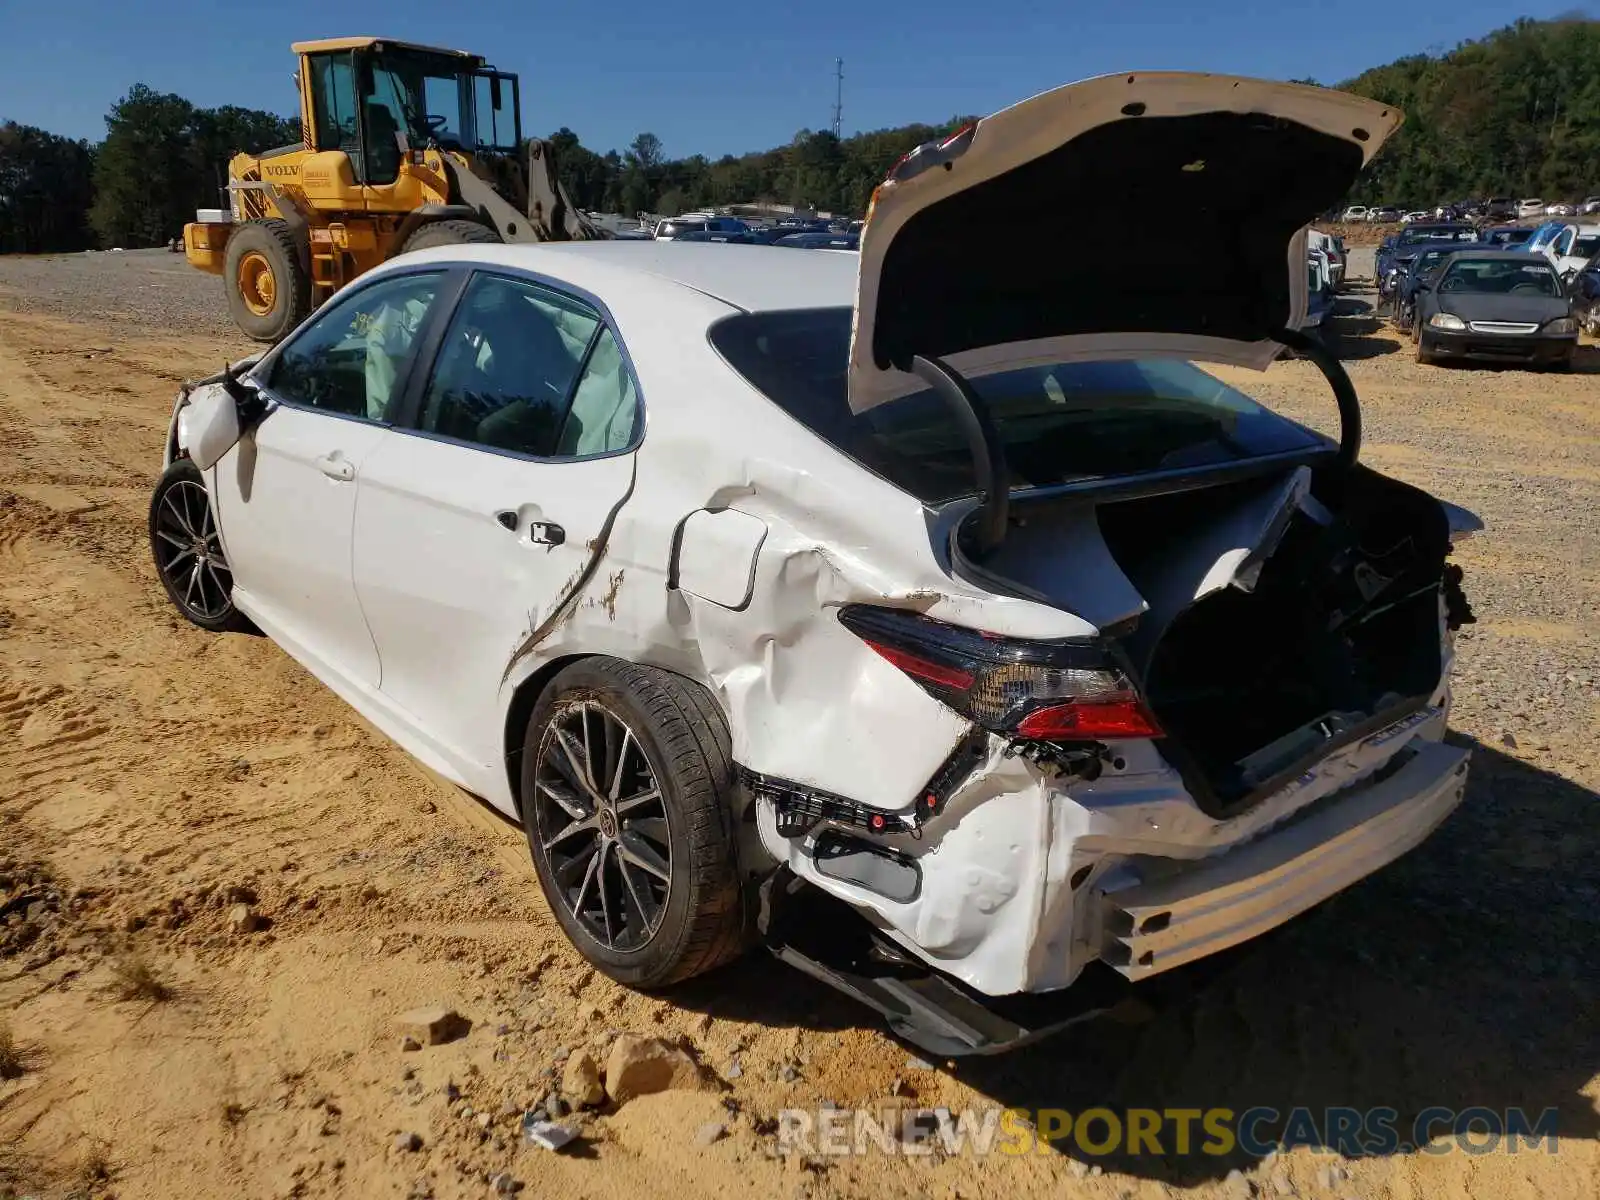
504	375
605	408
334	91
351	359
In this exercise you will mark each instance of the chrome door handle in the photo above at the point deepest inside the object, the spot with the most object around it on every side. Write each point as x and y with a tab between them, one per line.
336	466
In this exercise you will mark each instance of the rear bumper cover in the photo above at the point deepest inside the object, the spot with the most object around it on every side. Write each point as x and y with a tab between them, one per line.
1205	907
1025	879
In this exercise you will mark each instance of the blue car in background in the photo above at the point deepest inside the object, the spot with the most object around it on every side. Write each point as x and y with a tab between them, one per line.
1508	237
1396	254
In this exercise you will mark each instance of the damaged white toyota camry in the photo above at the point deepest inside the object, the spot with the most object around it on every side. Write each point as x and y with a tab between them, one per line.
933	584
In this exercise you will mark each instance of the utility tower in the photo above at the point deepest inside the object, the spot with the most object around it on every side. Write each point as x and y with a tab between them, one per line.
838	94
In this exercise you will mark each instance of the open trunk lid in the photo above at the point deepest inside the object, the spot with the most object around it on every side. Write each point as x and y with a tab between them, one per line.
975	249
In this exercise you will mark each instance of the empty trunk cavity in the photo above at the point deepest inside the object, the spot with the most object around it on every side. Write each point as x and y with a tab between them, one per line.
1329	625
1265	620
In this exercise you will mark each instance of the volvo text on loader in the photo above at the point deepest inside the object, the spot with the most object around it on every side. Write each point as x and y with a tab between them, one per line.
403	147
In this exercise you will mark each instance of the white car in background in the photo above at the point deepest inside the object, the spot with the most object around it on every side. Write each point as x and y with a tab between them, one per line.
1570	248
1530	208
934	623
1333	251
1356	212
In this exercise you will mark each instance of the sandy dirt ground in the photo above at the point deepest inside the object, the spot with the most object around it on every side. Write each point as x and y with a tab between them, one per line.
153	777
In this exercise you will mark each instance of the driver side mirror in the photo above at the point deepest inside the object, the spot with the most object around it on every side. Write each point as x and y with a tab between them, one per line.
246	396
217	415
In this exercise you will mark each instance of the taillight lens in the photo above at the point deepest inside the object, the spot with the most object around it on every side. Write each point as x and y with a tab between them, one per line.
1061	690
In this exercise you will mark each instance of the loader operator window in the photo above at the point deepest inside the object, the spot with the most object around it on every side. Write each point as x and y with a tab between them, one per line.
334	89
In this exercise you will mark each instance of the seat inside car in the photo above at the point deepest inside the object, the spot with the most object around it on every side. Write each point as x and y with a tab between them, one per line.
502	376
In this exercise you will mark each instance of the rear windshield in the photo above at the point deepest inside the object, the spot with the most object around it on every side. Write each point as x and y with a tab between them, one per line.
1500	277
1059	423
1587	247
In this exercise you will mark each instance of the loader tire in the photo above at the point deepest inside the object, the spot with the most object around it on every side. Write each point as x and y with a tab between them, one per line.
449	233
269	291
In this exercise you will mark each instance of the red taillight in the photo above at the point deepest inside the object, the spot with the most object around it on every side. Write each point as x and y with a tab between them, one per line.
1122	717
921	668
1061	690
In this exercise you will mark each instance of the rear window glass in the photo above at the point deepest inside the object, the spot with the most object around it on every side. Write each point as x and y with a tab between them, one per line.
1060	423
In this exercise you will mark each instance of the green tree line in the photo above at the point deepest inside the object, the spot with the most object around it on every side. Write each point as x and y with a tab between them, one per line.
1514	113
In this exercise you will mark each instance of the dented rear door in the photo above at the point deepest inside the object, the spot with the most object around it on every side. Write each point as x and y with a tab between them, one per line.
488	521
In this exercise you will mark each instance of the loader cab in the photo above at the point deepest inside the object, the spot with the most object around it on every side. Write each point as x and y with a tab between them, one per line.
374	100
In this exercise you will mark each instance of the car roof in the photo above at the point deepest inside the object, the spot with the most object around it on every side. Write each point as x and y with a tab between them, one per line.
1496	254
749	277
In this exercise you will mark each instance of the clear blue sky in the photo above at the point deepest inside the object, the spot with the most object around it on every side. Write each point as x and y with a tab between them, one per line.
709	78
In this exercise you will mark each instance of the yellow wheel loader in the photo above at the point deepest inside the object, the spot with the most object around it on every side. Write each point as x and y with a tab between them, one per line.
403	147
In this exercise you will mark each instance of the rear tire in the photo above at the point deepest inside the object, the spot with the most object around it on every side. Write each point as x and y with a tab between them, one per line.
636	860
450	233
269	291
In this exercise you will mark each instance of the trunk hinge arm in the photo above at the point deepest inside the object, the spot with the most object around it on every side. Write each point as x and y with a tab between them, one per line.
1344	391
983	440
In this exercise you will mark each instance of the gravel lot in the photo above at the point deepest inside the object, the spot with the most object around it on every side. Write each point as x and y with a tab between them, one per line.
152	290
153	778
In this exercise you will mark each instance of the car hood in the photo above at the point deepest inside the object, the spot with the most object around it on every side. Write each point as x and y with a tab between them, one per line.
1470	306
1248	162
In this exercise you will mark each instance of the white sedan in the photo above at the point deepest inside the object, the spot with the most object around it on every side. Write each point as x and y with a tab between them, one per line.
933	584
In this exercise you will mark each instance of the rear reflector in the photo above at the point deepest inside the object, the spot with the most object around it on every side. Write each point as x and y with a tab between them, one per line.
1124	717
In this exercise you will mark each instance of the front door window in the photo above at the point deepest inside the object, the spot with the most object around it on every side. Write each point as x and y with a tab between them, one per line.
352	358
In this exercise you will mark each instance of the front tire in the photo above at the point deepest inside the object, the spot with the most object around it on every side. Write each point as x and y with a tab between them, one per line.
627	788
269	290
188	553
1424	355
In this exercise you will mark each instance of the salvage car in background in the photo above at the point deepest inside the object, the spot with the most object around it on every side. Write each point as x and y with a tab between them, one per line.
1570	250
1507	237
1396	254
1418	274
1496	306
916	589
1333	249
1584	291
